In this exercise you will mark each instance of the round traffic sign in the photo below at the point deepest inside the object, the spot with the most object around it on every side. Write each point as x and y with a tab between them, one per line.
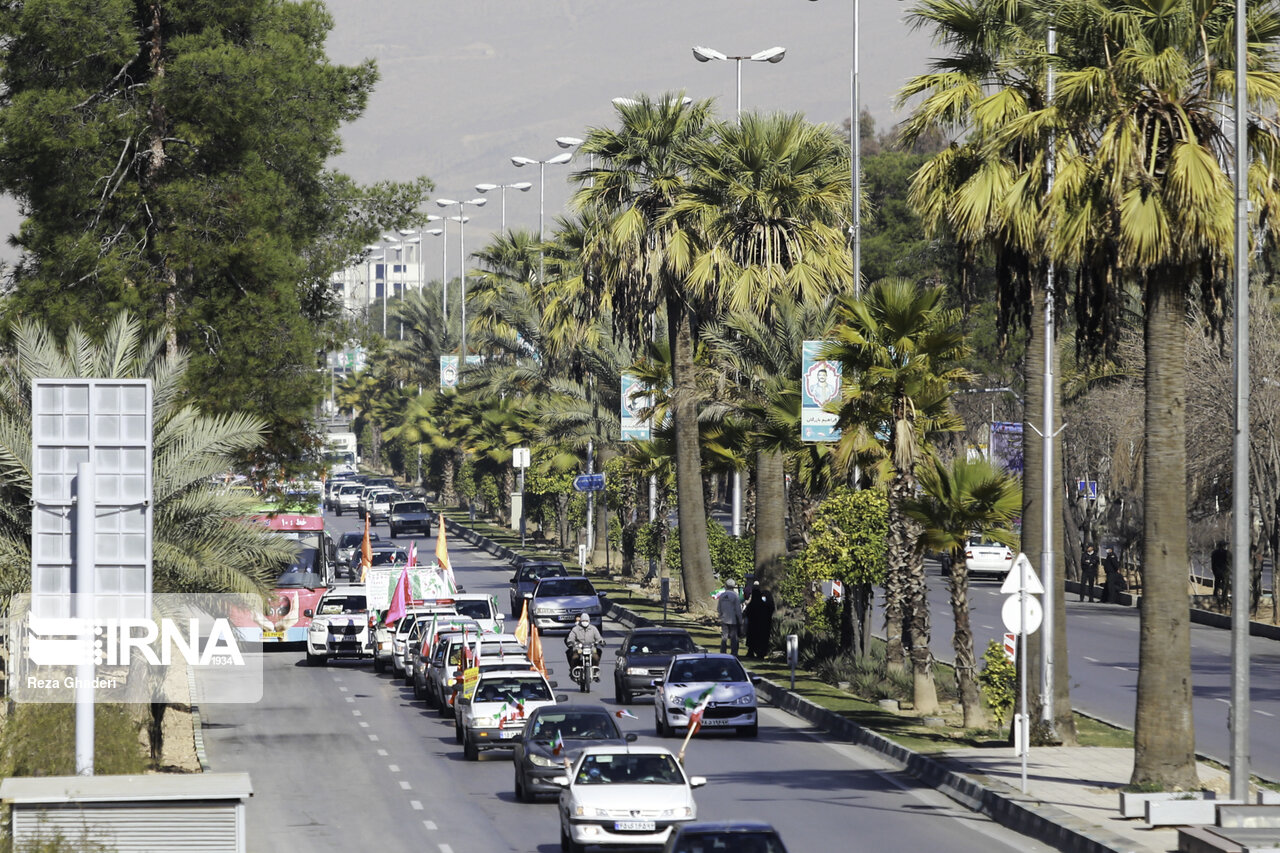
1011	613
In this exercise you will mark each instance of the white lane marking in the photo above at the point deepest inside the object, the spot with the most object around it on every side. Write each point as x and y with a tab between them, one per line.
363	724
394	768
988	627
342	690
351	698
1223	701
445	848
1122	668
1263	713
1091	660
416	805
373	738
382	753
357	713
430	824
405	786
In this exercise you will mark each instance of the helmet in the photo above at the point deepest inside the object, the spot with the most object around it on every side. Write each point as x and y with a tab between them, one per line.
584	619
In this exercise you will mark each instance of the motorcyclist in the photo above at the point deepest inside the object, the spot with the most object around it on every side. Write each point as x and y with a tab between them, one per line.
588	635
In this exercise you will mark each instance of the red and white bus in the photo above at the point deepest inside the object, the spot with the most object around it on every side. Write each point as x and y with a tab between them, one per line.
299	587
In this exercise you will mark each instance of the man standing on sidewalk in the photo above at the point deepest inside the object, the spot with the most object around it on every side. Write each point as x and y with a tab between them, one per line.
729	608
1220	563
1088	572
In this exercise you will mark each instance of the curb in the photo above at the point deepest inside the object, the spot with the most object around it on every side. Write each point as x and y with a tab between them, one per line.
197	724
1198	616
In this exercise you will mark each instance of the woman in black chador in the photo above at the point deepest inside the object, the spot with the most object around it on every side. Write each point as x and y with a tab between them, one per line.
759	613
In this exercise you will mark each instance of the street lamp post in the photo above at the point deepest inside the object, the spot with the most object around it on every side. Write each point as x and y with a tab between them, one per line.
523	186
706	54
557	160
461	219
444	269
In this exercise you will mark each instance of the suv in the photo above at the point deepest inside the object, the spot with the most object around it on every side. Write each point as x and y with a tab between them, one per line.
379	504
421	654
527	575
481	607
339	626
409	517
446	659
384	635
348	498
556	603
492	712
643	656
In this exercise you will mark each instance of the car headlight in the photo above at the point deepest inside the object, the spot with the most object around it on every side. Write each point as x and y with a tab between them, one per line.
637	670
746	699
540	761
579	811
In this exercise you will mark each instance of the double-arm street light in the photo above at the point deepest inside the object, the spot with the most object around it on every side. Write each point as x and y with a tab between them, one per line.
523	186
707	54
558	160
461	219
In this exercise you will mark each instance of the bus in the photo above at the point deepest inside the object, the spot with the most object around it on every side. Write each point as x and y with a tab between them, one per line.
296	591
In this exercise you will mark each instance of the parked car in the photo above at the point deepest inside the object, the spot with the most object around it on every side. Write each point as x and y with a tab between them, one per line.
527	575
732	699
556	603
339	625
739	836
987	557
410	517
490	714
643	656
624	796
554	734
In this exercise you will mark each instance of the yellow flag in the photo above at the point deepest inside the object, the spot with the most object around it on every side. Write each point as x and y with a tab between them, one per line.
442	555
535	651
366	553
522	628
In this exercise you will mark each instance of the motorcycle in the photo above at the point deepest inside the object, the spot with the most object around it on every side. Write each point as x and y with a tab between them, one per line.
584	669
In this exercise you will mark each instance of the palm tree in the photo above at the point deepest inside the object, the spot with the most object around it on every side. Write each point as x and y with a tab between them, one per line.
899	348
961	499
642	167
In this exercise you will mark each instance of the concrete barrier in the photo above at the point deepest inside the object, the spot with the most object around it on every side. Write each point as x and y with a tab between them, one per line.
1186	812
1134	805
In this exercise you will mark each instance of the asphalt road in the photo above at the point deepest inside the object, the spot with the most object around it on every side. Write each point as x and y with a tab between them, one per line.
342	759
1102	640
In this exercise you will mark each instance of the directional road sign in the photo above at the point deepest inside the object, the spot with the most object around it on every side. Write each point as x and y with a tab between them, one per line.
588	483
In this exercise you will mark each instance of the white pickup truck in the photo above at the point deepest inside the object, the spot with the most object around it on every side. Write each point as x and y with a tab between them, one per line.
339	626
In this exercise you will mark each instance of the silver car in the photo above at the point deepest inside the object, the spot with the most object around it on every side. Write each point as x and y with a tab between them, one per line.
556	603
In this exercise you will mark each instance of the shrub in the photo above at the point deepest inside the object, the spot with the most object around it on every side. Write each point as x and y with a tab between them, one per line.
998	679
39	740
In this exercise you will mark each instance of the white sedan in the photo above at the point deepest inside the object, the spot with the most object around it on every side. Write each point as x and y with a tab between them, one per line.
715	685
624	795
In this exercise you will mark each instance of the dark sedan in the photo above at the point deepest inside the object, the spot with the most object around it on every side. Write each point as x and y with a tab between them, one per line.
739	836
553	734
643	656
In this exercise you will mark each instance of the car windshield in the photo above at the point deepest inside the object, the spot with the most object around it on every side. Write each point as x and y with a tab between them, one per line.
353	489
986	543
535	572
513	689
410	506
382	558
335	605
474	609
661	644
711	841
353	540
565	586
625	768
707	669
573	724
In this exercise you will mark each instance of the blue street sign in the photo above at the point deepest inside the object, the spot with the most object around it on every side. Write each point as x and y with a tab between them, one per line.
588	483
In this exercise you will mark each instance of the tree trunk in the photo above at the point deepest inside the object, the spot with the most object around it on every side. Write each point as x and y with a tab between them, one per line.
975	715
600	556
449	479
1063	731
1163	734
562	520
695	553
906	554
770	524
155	732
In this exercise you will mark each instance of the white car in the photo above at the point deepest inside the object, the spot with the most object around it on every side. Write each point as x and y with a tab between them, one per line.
339	626
492	712
385	647
348	498
720	680
624	795
985	557
481	607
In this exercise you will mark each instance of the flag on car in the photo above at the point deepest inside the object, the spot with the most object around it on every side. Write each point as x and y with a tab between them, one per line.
557	745
624	714
366	553
697	707
442	557
399	599
522	628
535	651
413	554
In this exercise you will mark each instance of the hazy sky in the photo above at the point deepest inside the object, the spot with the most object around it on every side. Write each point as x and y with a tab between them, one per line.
468	84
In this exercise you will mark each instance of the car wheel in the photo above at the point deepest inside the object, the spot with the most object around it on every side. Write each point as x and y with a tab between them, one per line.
457	733
317	660
408	678
565	841
749	731
620	693
660	725
469	750
339	512
418	692
522	793
393	533
379	665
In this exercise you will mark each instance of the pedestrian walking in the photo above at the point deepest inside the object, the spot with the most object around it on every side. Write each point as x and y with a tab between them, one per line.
1220	563
729	608
1088	572
1113	582
759	613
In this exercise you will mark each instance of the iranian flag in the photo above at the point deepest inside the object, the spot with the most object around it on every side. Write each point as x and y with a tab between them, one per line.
697	707
557	745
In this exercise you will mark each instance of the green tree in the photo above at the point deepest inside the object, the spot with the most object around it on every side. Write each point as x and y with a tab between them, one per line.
899	348
169	160
847	543
962	499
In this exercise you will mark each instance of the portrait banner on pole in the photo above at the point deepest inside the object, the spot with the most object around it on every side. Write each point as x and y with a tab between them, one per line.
448	371
819	385
635	399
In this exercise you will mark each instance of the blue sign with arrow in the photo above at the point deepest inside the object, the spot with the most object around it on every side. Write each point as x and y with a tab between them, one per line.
588	483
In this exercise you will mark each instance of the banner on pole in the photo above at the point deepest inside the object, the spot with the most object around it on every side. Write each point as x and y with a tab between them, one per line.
635	399
448	371
819	385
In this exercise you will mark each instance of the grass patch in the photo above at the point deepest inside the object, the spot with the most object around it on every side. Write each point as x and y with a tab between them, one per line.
39	740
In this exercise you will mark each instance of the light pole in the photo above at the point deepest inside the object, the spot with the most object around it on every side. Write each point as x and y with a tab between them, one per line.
557	160
461	219
706	54
523	186
444	268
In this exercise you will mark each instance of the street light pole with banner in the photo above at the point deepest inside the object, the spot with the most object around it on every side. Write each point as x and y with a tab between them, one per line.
819	385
